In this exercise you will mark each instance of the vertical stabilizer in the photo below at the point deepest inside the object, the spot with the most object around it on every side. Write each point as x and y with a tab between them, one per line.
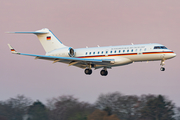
48	40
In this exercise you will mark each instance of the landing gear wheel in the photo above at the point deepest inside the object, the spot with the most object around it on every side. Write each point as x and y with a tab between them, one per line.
162	69
88	71
104	72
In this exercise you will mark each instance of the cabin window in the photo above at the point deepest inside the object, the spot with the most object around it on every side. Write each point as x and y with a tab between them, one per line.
115	51
90	53
102	52
123	50
127	50
144	49
132	50
106	52
86	53
136	50
93	52
119	51
98	52
111	52
140	50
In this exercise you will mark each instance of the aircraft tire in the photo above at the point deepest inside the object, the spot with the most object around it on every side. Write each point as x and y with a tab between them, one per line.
88	71
104	72
162	69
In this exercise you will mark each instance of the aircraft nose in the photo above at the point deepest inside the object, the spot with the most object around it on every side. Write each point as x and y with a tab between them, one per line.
173	55
170	55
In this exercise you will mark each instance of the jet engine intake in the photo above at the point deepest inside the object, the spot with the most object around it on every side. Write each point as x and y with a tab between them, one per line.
71	52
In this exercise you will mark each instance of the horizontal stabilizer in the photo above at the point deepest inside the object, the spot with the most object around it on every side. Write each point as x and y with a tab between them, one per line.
36	32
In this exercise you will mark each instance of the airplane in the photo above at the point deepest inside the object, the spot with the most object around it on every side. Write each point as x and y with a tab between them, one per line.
97	57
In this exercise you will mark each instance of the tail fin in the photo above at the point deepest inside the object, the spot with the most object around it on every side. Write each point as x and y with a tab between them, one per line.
48	40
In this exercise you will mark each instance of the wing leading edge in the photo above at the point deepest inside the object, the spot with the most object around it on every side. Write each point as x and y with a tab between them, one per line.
78	62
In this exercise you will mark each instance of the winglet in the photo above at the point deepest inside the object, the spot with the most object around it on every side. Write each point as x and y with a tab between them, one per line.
12	49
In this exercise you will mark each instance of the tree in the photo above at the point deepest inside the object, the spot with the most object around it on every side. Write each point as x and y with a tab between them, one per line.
37	111
80	111
15	108
177	110
69	108
125	107
108	110
158	108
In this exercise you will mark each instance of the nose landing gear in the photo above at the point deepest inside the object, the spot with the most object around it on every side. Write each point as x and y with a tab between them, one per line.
162	64
162	69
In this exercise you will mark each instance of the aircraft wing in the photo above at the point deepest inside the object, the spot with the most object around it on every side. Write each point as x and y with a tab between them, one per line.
78	62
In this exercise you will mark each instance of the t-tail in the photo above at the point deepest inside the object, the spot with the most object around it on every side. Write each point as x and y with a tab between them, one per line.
48	40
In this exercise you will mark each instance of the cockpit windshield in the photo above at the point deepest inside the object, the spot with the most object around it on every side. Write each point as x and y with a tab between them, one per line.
160	47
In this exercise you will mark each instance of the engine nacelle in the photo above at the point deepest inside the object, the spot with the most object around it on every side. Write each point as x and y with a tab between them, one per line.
63	52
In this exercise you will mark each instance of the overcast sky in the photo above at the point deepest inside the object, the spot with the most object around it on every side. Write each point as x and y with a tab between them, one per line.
81	23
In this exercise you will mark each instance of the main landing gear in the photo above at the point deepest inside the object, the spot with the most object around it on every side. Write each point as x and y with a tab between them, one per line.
88	71
103	72
162	64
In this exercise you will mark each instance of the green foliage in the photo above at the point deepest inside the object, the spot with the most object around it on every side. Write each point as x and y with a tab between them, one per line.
37	111
78	116
69	108
101	115
108	110
14	108
177	115
111	106
130	107
158	109
121	105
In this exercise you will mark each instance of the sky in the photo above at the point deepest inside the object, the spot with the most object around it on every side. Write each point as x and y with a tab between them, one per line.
81	23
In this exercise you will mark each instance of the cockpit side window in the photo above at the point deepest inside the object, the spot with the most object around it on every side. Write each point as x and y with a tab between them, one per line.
156	47
163	47
160	47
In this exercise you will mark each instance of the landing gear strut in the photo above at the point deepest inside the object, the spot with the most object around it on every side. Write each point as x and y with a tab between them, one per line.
104	72
162	64
88	70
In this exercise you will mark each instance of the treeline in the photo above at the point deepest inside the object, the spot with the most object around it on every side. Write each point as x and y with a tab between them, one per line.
111	106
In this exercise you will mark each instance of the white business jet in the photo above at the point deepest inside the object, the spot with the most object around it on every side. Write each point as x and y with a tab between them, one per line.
97	57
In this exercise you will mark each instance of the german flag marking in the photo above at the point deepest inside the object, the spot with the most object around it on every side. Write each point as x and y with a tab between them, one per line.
12	50
48	37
